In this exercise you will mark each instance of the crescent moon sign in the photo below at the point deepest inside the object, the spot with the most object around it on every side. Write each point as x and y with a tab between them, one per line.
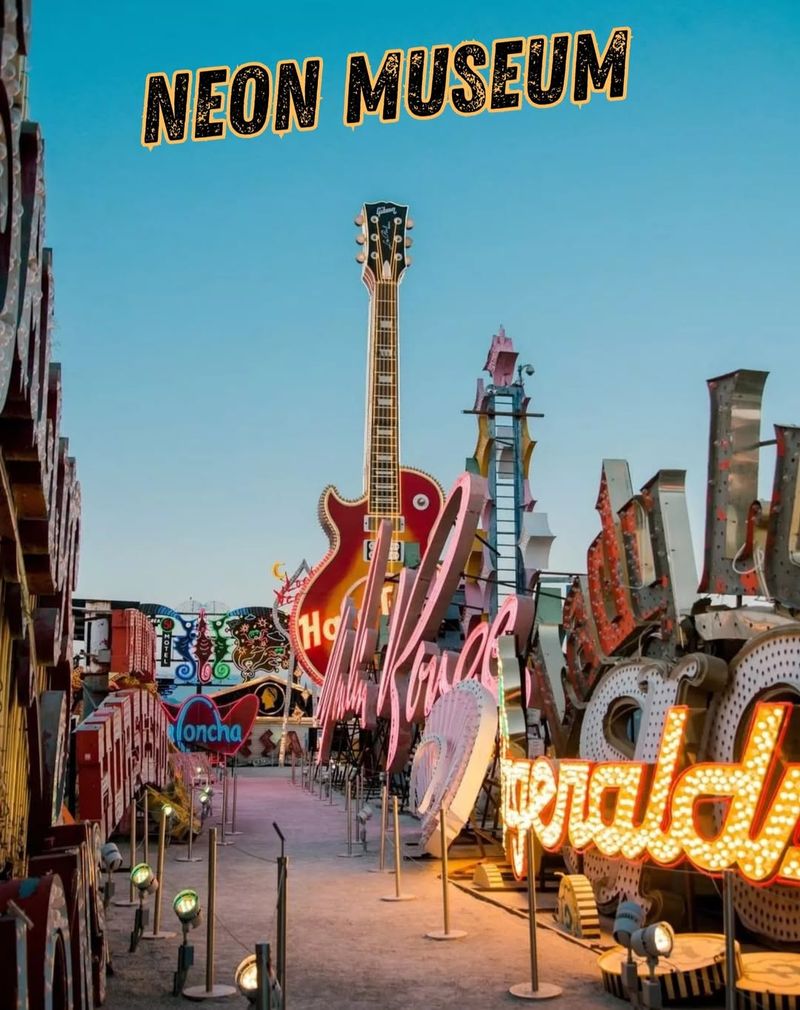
278	570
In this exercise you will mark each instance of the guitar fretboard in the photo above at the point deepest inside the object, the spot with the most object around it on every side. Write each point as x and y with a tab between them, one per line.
382	442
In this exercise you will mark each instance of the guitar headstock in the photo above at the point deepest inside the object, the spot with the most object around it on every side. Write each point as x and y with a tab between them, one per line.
384	241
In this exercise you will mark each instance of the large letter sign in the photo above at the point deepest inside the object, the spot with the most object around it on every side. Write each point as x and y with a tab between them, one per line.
662	813
416	671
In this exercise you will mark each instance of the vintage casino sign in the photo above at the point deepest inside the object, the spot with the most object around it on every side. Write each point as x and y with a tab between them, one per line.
119	747
665	813
199	724
642	633
416	672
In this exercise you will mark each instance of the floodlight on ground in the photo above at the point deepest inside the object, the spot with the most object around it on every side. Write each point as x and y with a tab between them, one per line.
246	978
256	981
110	861
186	905
144	880
110	857
653	942
629	919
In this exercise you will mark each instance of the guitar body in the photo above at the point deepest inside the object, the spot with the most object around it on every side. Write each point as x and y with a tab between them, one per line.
343	570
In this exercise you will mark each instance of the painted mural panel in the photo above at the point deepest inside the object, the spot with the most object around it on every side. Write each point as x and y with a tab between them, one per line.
215	651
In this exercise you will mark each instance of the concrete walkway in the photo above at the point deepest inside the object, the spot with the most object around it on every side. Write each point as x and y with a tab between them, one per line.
347	949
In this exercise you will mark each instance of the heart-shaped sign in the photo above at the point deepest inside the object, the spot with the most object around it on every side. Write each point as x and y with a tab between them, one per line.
200	724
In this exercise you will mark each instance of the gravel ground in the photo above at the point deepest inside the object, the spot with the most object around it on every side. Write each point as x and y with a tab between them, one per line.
346	947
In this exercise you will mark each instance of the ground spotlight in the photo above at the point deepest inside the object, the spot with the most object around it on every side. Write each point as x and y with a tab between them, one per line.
248	982
364	815
246	978
206	795
143	879
169	812
186	905
110	861
629	919
110	857
653	942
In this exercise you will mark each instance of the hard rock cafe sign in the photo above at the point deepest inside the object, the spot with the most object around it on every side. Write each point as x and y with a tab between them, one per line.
416	672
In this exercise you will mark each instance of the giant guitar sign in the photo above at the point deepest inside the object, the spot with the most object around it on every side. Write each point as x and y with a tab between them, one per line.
408	498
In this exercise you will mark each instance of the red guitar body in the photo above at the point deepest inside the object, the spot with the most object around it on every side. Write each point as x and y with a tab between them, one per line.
343	570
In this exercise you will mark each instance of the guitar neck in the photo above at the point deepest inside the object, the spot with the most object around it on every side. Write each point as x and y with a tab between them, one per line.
382	440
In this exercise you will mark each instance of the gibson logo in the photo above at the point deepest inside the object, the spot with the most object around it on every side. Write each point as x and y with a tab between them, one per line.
386	210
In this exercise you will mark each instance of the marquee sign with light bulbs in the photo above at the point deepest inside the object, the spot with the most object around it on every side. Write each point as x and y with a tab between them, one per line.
663	812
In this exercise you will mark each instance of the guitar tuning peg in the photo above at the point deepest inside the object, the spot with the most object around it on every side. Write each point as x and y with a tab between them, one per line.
361	257
358	220
409	223
360	238
409	242
409	261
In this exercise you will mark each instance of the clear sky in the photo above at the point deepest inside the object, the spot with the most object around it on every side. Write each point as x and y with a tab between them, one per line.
211	320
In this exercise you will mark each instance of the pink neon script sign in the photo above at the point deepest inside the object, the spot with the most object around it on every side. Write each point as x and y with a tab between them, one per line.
416	672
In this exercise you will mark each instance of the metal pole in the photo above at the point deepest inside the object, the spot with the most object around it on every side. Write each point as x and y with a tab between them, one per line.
330	785
447	933
349	818
235	782
349	812
191	822
397	843
223	840
189	857
133	896
384	812
397	896
263	988
445	872
146	829
532	911
212	902
294	762
533	989
162	841
729	929
210	990
283	865
132	846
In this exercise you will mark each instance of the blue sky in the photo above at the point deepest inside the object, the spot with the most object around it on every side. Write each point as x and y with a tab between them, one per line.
211	320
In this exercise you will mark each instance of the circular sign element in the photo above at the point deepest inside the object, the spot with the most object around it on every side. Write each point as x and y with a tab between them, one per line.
421	502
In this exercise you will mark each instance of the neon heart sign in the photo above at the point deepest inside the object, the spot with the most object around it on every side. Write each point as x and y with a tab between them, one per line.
199	724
